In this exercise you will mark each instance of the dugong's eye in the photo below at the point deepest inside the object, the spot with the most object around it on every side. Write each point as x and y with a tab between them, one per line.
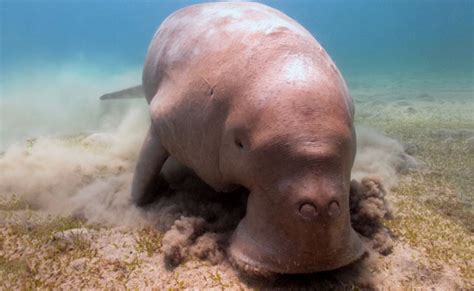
238	143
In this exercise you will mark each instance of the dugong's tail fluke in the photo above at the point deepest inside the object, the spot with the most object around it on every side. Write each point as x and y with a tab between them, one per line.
133	92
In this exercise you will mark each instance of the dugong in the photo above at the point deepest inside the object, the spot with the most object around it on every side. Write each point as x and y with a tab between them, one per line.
244	96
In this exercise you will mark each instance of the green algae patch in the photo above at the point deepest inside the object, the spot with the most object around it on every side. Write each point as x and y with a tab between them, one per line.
149	240
434	203
442	239
17	270
45	230
31	249
14	203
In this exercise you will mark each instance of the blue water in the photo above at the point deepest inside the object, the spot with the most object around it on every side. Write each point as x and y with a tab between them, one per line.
360	35
68	51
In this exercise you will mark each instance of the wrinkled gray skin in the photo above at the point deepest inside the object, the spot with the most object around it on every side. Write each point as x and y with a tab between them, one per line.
244	96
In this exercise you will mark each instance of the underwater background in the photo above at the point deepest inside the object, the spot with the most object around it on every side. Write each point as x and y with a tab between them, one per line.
388	36
56	57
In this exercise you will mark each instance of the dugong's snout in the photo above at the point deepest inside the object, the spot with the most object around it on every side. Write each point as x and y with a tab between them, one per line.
307	236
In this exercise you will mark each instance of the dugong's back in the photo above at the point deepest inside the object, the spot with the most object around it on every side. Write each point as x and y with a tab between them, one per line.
206	61
206	34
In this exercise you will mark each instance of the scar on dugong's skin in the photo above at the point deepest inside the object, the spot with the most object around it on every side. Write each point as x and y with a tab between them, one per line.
245	96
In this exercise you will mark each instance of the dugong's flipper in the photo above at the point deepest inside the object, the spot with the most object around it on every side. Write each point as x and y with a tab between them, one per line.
133	92
147	181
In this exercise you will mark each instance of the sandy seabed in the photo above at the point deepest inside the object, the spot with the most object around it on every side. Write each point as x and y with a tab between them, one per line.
66	220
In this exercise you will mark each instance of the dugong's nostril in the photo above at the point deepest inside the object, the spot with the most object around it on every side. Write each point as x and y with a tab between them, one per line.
333	209
308	211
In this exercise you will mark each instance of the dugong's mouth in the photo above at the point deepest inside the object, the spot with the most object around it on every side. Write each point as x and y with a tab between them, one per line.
249	267
270	257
